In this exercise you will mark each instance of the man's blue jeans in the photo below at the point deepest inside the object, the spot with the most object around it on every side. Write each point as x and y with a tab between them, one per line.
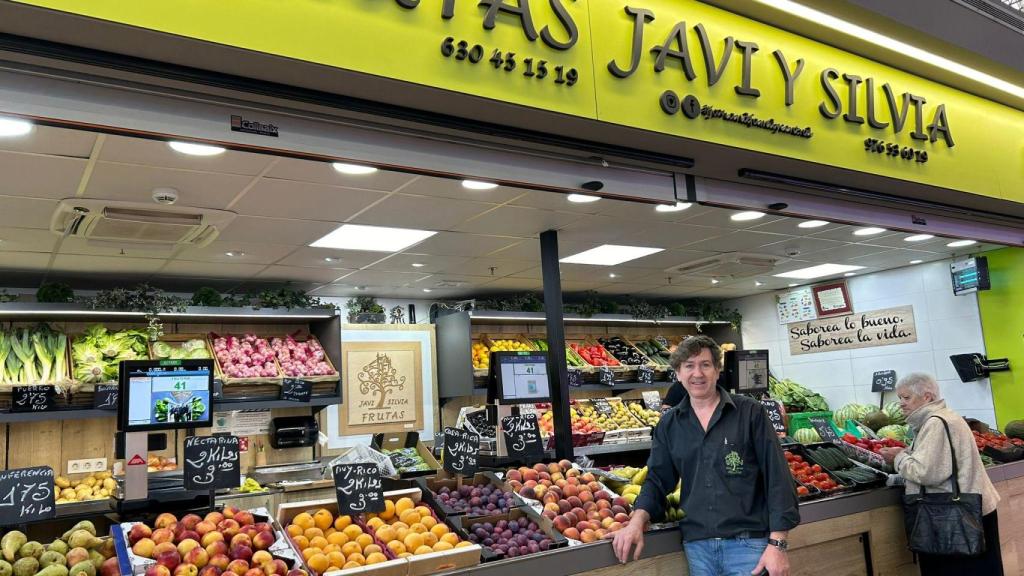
724	557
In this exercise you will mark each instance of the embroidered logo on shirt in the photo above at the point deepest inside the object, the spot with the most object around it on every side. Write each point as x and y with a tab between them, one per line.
733	464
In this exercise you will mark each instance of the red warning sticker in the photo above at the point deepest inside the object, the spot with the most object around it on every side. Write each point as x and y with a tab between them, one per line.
137	461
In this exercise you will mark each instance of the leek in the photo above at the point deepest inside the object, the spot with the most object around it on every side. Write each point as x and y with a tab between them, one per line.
59	345
43	354
13	368
5	350
23	350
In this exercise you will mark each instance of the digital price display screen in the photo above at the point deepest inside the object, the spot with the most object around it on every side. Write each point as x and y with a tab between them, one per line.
520	377
747	370
970	275
166	394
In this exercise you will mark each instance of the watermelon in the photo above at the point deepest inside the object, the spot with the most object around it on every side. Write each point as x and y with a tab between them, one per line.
807	436
1015	429
876	420
894	431
848	412
895	413
863	410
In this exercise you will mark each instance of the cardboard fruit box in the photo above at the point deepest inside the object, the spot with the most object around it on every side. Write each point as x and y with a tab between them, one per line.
389	442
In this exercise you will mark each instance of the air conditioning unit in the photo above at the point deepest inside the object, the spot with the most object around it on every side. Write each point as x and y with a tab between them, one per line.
134	223
729	265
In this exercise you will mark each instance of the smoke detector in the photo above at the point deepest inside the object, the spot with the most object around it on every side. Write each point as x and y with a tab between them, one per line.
166	196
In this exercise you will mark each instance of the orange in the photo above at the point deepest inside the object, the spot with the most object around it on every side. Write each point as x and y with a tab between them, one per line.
294	530
442	546
410	517
352	531
389	510
423	550
423	511
337	559
450	538
364	540
342	521
357	557
464	544
351	565
429	539
318	563
313	533
413	541
403	504
396	547
338	538
318	542
301	541
376	558
385	534
371	549
374	523
428	521
350	548
438	530
323	519
305	520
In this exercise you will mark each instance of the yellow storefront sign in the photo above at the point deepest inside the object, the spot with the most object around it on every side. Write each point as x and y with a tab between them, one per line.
678	67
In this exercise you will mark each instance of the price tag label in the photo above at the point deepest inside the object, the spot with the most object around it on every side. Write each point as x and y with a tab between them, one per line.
36	398
26	495
295	390
673	378
575	377
358	488
824	429
652	400
606	376
461	451
645	375
211	463
774	412
602	406
883	381
105	397
522	436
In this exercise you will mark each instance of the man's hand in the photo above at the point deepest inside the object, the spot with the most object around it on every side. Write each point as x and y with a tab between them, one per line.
632	535
775	561
889	454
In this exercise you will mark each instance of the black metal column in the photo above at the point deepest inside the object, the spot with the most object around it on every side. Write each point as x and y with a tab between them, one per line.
557	368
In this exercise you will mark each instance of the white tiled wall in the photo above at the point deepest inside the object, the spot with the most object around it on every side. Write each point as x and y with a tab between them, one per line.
946	325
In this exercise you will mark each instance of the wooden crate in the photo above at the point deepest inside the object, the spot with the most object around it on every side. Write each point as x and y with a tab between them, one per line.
660	372
178	339
85	390
305	336
258	388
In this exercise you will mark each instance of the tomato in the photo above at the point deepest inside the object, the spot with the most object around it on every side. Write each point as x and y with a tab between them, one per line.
798	458
802	490
816	468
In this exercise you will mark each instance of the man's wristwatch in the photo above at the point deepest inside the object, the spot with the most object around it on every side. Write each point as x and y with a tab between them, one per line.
780	544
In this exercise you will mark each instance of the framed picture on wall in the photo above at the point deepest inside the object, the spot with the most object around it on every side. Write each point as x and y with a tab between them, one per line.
832	299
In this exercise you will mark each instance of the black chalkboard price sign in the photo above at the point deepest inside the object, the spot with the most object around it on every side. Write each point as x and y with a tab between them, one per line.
358	488
774	412
824	429
883	381
211	463
652	400
645	375
26	495
522	436
575	377
105	397
672	376
602	406
35	398
606	376
295	390
461	451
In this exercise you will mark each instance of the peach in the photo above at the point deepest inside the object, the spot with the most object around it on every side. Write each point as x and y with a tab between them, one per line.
587	477
574	501
571	533
197	556
514	476
210	538
588	536
263	540
586	496
162	535
561	523
553	468
550	497
244	517
297	572
188	535
261	557
186	545
553	506
228	527
605	513
220	561
593	486
275	567
604	505
588	506
602	495
217	547
263	527
565	465
164	547
618	509
165	520
254	572
110	567
241	539
615	527
171	559
190	521
563	506
557	477
543	476
572	472
209	571
531	475
186	570
540	467
239	552
144	548
229	511
620	517
239	567
205	527
214	517
249	530
548	514
138	532
528	492
607	522
540	490
158	570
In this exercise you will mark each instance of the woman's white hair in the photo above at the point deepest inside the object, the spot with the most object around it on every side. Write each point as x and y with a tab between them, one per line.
919	384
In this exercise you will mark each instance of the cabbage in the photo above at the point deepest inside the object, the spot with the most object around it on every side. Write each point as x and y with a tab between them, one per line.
162	350
200	353
194	344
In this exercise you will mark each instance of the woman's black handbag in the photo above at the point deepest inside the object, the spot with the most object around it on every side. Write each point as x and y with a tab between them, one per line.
943	523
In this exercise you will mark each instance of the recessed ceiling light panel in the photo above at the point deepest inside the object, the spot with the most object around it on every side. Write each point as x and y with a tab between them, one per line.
961	243
869	231
11	127
812	224
677	207
371	238
582	198
353	169
478	185
818	271
746	216
918	238
916	261
193	149
610	255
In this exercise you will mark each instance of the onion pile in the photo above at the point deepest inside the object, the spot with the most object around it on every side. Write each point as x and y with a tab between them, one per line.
247	357
301	358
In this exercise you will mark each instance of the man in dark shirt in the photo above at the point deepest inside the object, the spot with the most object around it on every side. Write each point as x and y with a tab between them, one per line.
737	491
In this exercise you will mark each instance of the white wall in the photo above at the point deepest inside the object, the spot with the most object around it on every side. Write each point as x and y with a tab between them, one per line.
946	325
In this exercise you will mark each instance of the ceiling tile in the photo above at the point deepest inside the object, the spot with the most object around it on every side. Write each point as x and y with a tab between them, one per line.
421	212
299	274
26	212
245	252
513	284
845	234
556	201
26	240
372	279
643	211
106	264
739	241
131	183
529	249
670	235
323	173
40	176
936	244
722	218
452	188
86	247
403	262
672	291
892	258
24	260
514	221
145	152
623	288
456	244
802	246
600	230
668	259
482	267
280	231
791	226
843	253
309	257
211	269
287	199
52	141
438	282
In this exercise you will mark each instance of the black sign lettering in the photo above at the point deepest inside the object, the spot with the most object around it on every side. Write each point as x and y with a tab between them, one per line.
883	381
824	429
358	488
26	495
522	437
211	463
105	397
645	375
775	415
461	451
602	406
37	398
606	376
295	390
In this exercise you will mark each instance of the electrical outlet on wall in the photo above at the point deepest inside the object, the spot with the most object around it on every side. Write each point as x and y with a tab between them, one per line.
87	465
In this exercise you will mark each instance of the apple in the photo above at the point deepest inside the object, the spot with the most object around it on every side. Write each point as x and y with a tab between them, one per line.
214	517
241	540
205	527
239	567
161	548
197	556
263	540
244	517
110	567
228	527
158	570
229	511
275	567
165	520
219	561
170	559
186	570
261	557
210	538
138	532
217	547
209	571
239	552
144	548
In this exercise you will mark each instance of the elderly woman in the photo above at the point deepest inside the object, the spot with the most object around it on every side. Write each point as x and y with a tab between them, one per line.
928	463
